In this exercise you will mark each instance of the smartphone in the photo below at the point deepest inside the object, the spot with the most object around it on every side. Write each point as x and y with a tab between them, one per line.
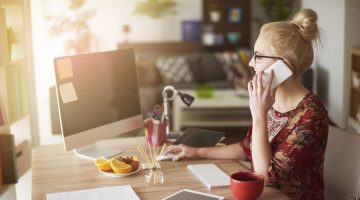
281	73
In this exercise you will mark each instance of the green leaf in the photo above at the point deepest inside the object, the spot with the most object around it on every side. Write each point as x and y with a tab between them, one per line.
155	8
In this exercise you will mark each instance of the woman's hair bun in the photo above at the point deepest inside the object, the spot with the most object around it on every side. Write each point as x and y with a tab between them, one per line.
306	22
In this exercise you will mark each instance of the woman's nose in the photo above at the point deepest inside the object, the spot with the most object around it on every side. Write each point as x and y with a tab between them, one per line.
252	62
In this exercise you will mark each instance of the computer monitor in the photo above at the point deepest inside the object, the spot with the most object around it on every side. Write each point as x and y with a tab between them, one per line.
98	98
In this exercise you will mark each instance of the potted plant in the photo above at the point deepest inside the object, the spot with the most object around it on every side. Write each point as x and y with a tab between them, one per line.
73	24
277	10
155	8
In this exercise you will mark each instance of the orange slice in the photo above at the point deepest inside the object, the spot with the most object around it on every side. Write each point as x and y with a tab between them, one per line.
120	167
103	164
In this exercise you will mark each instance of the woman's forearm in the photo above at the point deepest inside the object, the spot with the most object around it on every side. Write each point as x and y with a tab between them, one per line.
233	151
261	152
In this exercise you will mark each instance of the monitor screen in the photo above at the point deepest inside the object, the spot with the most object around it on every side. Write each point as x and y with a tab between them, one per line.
98	96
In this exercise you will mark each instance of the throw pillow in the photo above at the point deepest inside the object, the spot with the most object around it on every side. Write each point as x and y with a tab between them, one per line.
174	69
237	72
211	68
196	68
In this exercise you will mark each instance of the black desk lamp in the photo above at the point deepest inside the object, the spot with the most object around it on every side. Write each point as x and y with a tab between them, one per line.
169	93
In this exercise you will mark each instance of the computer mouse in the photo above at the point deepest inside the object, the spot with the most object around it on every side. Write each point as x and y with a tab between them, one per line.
165	157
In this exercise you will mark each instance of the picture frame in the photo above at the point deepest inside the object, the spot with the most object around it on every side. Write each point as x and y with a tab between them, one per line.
235	15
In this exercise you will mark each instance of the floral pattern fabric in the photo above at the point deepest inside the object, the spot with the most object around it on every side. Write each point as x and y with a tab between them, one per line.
298	141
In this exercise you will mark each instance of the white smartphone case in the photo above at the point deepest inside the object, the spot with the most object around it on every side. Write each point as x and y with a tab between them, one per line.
281	73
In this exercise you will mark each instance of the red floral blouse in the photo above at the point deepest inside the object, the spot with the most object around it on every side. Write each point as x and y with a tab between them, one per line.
298	141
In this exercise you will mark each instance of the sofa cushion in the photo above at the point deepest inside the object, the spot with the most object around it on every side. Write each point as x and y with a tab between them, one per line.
196	68
212	69
206	68
236	68
174	69
147	73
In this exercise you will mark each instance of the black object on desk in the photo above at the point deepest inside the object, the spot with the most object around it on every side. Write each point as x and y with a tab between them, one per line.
187	194
195	137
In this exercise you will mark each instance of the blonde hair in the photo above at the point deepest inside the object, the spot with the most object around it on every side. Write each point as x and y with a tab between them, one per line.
293	40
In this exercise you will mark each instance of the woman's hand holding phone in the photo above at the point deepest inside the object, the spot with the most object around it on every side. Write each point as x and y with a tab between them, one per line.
263	87
261	97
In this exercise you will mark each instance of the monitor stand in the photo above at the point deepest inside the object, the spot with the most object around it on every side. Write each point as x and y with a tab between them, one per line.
93	151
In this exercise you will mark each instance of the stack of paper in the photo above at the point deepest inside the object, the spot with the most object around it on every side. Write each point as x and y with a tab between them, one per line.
124	192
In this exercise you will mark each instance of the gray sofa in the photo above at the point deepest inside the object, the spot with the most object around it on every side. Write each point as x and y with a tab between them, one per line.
207	68
203	66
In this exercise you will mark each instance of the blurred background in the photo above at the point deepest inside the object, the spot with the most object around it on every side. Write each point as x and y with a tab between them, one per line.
213	34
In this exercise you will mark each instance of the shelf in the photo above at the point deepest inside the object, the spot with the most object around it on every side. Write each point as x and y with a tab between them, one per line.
232	16
354	125
354	92
355	59
7	191
355	89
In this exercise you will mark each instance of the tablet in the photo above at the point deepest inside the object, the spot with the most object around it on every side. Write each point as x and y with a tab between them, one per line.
187	194
195	137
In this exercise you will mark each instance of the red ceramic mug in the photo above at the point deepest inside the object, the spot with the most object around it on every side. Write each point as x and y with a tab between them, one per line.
246	185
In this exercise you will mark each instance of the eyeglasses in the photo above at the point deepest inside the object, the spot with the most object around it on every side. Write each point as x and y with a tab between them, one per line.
259	56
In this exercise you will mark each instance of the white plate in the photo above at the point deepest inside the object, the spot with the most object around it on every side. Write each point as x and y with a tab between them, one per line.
113	174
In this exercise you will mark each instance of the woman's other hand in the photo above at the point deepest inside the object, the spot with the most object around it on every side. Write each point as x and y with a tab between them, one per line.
181	151
261	98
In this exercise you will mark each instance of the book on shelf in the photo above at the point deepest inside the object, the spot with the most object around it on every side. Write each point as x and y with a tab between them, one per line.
8	155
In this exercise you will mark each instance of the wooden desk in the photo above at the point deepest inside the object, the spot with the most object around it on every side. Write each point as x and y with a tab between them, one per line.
55	170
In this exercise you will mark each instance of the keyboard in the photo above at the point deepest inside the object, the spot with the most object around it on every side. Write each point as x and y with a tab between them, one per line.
210	175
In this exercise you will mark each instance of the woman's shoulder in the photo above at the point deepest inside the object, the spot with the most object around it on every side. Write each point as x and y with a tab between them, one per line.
314	106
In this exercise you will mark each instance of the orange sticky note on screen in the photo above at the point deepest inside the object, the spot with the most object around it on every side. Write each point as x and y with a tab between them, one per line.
64	68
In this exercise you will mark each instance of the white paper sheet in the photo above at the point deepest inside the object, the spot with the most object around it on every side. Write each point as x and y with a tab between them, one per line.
68	93
124	192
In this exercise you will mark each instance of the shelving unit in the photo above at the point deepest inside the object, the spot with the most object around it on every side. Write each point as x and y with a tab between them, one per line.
15	84
7	192
13	62
354	106
226	17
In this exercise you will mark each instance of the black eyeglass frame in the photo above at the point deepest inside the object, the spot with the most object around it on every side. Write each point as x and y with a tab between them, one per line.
259	56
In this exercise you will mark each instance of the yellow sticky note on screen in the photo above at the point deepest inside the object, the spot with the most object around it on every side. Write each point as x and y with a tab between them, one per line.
68	93
64	68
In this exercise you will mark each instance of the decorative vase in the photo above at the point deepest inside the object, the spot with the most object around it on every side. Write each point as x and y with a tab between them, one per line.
154	177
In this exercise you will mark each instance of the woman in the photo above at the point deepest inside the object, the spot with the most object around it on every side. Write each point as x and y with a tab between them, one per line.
287	140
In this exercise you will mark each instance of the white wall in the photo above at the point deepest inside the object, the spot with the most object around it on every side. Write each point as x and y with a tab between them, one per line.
106	25
340	29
